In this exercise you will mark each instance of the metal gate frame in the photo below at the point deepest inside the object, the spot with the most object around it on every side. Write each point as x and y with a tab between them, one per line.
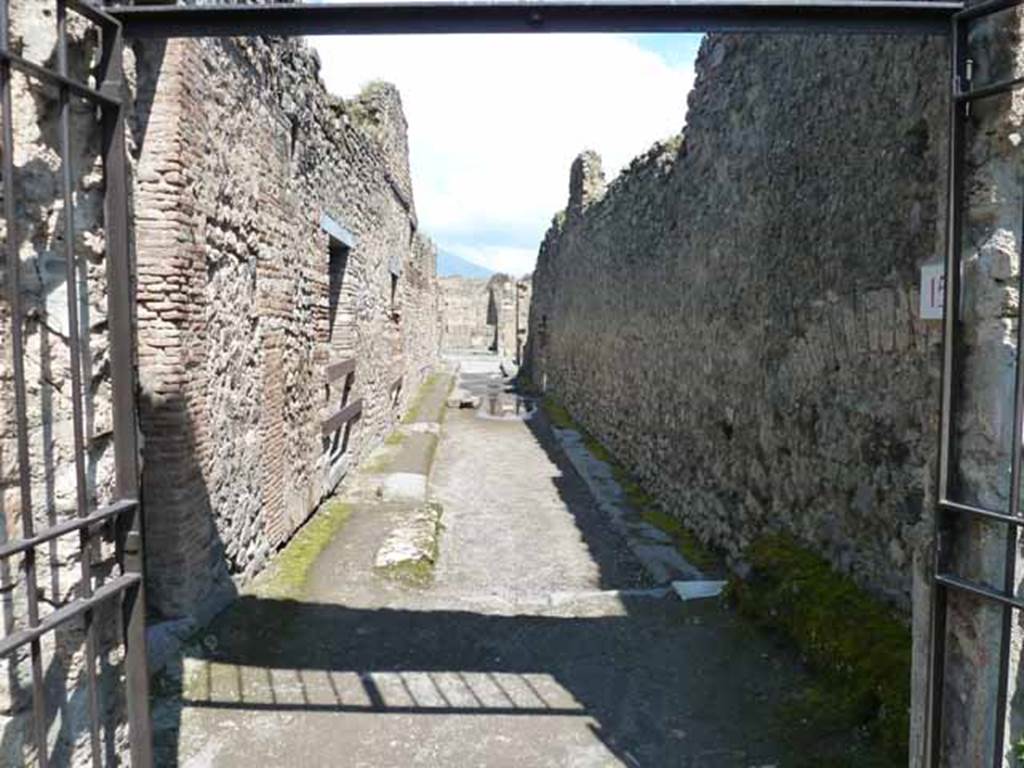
949	510
122	516
118	21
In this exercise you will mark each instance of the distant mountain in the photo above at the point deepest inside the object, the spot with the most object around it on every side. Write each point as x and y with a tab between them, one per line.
450	265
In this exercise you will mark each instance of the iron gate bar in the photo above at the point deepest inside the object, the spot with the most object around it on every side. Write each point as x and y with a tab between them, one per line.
846	16
91	12
91	522
986	8
121	322
75	341
1010	557
967	509
128	587
13	279
985	91
39	72
979	590
66	613
948	511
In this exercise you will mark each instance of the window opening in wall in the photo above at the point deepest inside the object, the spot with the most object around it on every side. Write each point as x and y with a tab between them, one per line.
337	264
294	140
396	314
339	382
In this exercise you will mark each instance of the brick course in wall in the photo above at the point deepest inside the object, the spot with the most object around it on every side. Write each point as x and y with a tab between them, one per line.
244	152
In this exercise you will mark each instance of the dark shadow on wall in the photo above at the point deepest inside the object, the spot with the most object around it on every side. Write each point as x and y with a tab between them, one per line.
149	58
187	577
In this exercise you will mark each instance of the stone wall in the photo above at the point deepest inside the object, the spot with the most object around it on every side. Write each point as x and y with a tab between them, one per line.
480	313
464	314
244	301
735	316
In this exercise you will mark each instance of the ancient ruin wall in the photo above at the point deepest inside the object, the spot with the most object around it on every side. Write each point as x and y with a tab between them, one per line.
244	301
736	316
464	303
480	313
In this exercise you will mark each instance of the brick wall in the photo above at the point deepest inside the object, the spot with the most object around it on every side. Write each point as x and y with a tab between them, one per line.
239	315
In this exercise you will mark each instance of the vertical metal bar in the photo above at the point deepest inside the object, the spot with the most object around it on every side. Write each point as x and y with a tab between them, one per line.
75	348
120	296
17	352
1010	562
950	389
1010	556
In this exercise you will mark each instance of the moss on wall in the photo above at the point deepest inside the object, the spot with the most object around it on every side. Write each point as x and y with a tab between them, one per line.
856	711
860	648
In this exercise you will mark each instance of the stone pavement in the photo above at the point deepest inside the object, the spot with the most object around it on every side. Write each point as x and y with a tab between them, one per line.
538	641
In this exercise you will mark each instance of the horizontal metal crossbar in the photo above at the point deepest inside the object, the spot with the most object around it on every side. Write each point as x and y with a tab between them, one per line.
92	13
988	514
53	78
342	417
75	608
985	9
972	587
103	514
982	92
821	16
341	368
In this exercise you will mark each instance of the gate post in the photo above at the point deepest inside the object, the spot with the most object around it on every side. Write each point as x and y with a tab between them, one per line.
976	602
121	321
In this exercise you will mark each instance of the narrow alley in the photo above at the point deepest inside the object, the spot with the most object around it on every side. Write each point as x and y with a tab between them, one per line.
535	642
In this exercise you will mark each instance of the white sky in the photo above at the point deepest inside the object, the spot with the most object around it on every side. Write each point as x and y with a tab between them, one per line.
495	122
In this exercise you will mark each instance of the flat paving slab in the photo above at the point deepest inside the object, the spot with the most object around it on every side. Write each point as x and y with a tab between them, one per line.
539	642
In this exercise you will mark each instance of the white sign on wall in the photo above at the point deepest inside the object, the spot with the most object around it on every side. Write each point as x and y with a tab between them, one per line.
933	291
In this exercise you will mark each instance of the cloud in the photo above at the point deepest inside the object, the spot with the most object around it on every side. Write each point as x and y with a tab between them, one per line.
496	120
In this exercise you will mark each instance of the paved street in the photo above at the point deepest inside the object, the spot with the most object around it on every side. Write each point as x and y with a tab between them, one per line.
539	641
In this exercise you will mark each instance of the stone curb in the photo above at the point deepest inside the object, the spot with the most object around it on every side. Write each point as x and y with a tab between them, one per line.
651	546
408	474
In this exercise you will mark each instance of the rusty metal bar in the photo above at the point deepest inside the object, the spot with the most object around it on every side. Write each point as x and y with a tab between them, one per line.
918	17
986	8
341	368
950	397
985	91
121	322
121	584
13	279
967	509
979	590
349	413
37	72
91	12
75	342
1010	556
88	523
